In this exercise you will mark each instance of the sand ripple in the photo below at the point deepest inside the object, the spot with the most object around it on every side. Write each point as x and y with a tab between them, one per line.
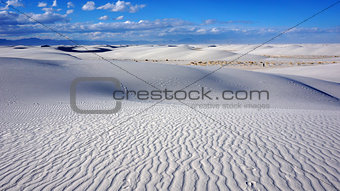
168	147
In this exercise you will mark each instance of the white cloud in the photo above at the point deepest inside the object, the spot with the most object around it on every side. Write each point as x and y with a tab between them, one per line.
103	18
135	8
14	3
214	21
47	9
201	31
119	18
134	26
42	4
8	18
14	25
70	4
48	17
121	6
54	3
89	6
209	21
70	11
95	35
215	30
106	6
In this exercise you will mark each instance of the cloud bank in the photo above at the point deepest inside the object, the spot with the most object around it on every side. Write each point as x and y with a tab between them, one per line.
14	25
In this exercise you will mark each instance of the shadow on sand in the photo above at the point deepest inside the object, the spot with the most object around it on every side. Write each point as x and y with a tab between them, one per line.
71	49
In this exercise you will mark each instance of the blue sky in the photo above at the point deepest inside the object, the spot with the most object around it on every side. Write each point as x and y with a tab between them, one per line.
214	21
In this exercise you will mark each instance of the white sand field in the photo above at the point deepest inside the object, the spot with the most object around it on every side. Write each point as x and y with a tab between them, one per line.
287	142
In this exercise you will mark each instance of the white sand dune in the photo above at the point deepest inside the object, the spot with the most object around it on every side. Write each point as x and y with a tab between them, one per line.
180	52
325	72
286	49
292	145
36	53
